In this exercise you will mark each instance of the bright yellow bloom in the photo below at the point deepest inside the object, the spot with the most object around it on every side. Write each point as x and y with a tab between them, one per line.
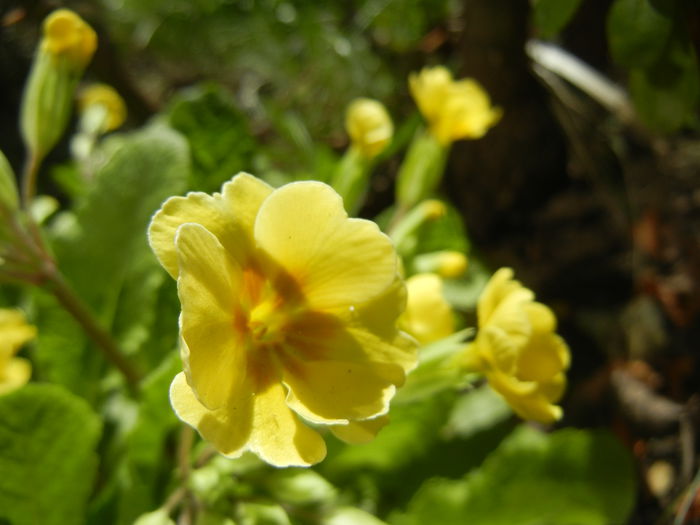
369	126
14	332
67	35
454	109
517	350
428	316
109	100
289	309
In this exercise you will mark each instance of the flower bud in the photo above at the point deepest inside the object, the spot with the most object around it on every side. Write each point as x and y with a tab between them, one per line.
447	264
101	108
369	126
65	50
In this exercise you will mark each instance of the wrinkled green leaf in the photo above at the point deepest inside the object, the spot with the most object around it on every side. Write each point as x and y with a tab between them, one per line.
351	516
569	477
476	411
551	16
300	487
263	514
47	456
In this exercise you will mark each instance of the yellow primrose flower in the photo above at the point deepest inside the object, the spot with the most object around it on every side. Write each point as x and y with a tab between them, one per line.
517	350
428	316
113	109
14	332
369	126
289	311
67	35
454	109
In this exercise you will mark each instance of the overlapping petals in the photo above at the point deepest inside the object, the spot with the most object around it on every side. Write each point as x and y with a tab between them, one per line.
67	35
518	350
369	125
289	313
454	109
14	333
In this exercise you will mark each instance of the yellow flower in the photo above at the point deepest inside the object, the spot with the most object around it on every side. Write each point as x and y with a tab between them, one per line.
67	35
289	310
369	126
517	350
111	104
14	332
428	316
454	109
448	264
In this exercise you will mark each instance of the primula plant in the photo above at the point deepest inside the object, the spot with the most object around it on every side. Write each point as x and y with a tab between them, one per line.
214	313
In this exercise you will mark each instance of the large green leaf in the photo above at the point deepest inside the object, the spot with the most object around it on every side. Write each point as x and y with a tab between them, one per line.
102	249
637	32
47	456
552	15
569	477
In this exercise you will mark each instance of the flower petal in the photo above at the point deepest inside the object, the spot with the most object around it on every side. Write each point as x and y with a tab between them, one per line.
229	217
279	438
16	374
337	262
542	358
335	392
428	315
359	432
207	289
227	428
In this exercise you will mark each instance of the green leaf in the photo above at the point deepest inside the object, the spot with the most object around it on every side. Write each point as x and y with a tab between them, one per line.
220	142
569	477
47	456
350	516
637	32
300	487
666	96
551	16
476	411
263	514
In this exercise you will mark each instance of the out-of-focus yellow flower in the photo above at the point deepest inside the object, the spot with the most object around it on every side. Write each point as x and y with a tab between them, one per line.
67	35
517	350
14	332
454	109
113	109
369	125
428	316
289	309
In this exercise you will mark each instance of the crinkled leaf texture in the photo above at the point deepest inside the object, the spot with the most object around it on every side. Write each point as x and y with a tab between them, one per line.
569	477
47	456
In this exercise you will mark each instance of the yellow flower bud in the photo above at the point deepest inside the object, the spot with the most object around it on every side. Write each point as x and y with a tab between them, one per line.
65	50
67	35
8	187
428	316
110	106
447	264
369	126
433	209
454	109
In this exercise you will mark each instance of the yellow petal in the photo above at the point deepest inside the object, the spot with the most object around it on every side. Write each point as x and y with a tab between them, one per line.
337	262
359	432
428	315
335	392
227	428
229	216
278	437
541	318
542	358
207	289
14	331
15	375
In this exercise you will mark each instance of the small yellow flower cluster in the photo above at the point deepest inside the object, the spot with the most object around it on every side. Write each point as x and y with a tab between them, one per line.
454	109
107	98
517	349
369	126
67	35
14	332
289	310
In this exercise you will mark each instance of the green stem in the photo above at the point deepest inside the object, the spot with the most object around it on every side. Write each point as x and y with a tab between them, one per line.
72	303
